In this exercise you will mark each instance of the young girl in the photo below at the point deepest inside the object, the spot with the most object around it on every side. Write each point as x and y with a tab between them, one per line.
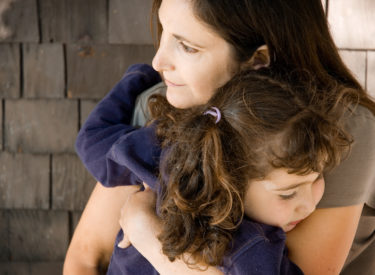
246	151
202	44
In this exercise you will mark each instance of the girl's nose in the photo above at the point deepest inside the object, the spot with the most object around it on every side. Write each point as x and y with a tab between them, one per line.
307	204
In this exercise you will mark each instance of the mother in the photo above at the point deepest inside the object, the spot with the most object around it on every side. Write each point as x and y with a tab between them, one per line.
203	43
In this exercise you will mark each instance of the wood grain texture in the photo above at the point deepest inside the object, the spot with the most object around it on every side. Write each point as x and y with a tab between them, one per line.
9	70
4	237
33	268
129	22
49	238
24	181
86	107
76	215
352	23
94	70
356	62
71	183
371	73
73	21
20	20
43	71
1	124
40	126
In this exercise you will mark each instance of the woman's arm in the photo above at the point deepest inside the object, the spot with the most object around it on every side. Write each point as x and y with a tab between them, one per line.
321	243
93	240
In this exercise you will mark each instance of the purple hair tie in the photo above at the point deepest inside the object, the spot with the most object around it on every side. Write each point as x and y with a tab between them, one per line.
214	112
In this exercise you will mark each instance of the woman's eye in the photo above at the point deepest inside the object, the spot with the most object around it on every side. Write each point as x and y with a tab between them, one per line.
187	48
288	197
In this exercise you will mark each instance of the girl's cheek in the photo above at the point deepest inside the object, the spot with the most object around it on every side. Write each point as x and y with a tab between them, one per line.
319	190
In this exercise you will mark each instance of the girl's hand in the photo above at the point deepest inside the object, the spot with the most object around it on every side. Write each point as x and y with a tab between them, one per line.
138	216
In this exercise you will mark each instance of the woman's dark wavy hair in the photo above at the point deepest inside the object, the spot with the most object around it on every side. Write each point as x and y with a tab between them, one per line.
265	124
296	33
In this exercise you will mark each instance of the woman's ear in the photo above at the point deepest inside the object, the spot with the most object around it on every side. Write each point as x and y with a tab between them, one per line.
260	58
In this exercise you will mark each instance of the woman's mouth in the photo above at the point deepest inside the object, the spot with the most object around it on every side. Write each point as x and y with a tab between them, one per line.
171	84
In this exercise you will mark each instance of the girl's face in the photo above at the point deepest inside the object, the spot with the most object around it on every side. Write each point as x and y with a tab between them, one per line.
193	60
283	199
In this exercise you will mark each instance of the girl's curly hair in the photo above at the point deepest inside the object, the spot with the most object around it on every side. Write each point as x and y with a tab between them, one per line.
265	124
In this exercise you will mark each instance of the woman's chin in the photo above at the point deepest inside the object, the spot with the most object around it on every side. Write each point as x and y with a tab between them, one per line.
176	99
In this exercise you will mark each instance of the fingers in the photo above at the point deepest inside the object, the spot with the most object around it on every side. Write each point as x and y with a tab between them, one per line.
124	243
147	187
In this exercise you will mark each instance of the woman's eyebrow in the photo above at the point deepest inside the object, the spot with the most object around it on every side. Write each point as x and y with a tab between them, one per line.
179	37
298	184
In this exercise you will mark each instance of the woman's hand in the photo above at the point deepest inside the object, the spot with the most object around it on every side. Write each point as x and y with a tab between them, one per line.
138	216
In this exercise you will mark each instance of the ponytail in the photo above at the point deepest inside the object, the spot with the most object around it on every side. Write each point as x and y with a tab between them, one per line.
200	205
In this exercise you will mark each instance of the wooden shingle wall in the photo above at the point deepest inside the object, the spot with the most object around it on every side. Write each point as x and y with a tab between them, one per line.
57	59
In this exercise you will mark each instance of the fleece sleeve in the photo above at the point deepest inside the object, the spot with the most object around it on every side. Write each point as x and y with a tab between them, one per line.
109	121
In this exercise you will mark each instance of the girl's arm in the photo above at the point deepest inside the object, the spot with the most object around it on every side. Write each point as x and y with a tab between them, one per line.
92	244
151	249
321	243
142	226
111	120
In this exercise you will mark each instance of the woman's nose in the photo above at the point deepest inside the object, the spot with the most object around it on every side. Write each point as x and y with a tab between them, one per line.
162	60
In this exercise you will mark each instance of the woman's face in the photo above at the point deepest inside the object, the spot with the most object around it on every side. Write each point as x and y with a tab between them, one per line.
283	199
193	60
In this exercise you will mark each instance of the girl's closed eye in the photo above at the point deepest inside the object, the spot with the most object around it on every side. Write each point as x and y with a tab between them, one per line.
288	196
187	48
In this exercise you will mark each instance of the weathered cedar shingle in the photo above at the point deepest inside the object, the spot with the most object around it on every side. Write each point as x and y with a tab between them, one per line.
74	20
37	235
72	184
40	126
371	73
43	71
9	70
35	268
356	62
86	107
21	20
76	215
352	23
1	124
94	70
4	237
24	181
129	22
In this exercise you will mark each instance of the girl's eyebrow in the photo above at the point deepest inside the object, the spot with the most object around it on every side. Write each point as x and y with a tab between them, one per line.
299	184
179	37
